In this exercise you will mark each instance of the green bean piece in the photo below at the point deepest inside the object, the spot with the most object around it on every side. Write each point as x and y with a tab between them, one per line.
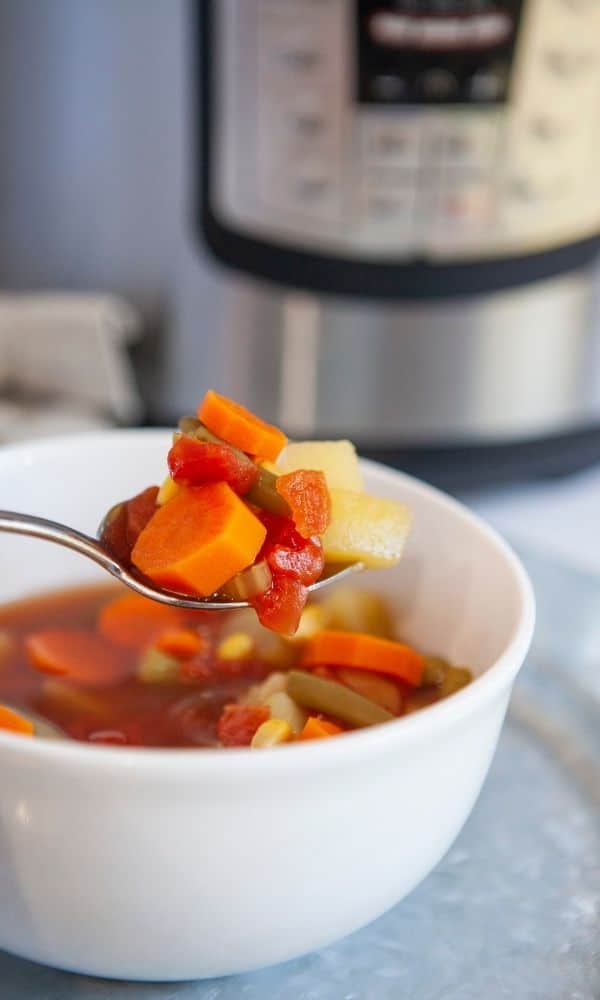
189	426
249	583
334	699
156	667
264	494
435	671
455	679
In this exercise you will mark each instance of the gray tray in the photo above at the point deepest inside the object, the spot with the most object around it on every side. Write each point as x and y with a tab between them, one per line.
513	911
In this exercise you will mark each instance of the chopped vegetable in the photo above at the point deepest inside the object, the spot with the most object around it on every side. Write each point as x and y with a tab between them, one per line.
381	690
237	646
14	722
127	519
62	697
304	564
264	494
199	540
334	699
156	667
318	729
271	733
347	609
238	426
77	655
169	489
194	463
308	497
455	679
336	459
238	724
134	621
281	606
282	706
368	652
365	529
259	694
249	583
435	670
182	643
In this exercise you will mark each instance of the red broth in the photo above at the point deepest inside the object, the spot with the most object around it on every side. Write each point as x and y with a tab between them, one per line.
128	712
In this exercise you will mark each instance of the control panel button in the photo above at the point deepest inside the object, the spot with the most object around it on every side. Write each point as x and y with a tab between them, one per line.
437	84
388	87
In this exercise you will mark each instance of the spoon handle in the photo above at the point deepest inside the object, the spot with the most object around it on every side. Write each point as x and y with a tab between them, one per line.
51	531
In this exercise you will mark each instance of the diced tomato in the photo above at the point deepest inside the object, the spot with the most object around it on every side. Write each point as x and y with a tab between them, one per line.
280	530
306	492
280	607
194	463
304	564
139	511
121	533
238	724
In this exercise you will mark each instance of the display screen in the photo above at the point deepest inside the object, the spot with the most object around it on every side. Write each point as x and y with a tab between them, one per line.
435	51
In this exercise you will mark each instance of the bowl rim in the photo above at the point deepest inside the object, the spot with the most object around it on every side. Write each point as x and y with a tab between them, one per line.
231	763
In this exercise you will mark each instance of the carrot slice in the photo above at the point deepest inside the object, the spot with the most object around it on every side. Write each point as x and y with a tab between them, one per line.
15	722
305	490
234	423
368	652
182	643
318	729
134	621
78	655
199	540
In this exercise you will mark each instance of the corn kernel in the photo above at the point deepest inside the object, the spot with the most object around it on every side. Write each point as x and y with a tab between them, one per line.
167	491
272	732
236	646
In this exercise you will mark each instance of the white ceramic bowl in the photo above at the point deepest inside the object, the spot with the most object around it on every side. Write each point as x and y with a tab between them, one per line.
170	864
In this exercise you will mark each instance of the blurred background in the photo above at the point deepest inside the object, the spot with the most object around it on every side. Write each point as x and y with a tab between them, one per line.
372	219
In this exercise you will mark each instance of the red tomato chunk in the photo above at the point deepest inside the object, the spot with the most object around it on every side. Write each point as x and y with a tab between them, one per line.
193	463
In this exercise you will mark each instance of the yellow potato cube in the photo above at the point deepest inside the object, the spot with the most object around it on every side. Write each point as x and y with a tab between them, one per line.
337	459
365	529
169	489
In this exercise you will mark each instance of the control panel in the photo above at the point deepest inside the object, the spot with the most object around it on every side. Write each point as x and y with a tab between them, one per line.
442	130
435	52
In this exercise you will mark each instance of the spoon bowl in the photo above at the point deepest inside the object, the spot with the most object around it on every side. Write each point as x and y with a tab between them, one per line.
61	534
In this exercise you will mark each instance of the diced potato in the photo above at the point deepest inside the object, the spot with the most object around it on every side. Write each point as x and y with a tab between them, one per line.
455	679
284	707
238	646
269	646
272	732
349	609
167	491
337	459
156	667
259	693
365	529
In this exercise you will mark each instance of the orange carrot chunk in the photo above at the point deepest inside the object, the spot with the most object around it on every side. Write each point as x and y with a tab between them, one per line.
367	652
305	490
238	426
135	622
318	729
15	722
78	655
199	540
182	643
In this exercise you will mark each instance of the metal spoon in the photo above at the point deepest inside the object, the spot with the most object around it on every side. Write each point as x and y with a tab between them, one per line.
61	534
